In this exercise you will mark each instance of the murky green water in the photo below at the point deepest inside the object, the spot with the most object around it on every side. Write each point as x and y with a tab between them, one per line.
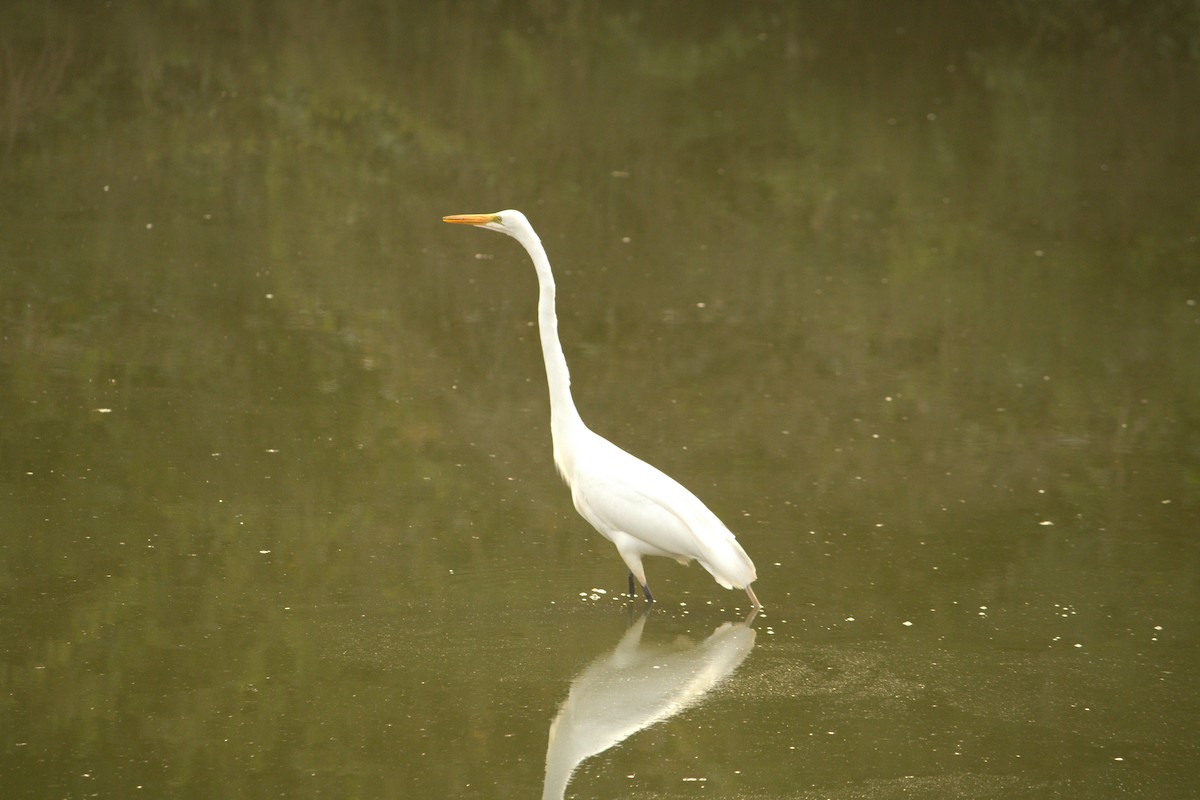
911	300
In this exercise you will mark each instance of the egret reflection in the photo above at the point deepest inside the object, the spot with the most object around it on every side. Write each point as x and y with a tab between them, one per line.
633	687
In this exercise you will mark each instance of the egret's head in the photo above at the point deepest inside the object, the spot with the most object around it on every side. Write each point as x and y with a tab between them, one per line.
511	222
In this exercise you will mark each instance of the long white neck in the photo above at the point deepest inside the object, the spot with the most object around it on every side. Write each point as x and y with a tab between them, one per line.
565	423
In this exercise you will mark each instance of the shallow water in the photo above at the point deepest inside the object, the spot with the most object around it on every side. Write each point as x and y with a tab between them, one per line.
909	300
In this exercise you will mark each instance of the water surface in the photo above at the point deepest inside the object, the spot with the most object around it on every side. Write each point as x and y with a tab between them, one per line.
909	299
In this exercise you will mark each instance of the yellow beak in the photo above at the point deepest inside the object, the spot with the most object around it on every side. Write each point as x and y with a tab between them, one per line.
472	219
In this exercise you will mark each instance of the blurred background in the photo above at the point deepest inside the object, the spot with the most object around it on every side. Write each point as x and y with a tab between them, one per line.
907	293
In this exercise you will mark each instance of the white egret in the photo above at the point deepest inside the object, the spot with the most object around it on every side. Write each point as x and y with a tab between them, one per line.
638	508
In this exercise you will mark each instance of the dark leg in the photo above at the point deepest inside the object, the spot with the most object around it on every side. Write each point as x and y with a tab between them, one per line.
645	589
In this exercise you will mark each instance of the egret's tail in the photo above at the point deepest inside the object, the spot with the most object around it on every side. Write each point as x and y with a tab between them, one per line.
729	565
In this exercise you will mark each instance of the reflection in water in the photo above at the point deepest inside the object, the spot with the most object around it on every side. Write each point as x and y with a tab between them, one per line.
633	687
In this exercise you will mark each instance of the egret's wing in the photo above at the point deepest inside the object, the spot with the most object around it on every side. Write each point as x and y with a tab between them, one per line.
615	503
620	493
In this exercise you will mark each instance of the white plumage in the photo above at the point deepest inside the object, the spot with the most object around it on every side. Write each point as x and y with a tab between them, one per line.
637	507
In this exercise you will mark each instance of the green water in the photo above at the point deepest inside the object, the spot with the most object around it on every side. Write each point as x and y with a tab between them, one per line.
910	298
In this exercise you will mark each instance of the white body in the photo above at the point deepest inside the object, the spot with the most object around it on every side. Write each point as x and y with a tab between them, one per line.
641	510
645	512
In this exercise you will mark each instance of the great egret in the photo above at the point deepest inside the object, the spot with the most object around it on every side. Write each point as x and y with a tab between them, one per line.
638	508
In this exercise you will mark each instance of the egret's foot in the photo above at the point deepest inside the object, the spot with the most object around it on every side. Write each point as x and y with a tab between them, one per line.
646	591
632	593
